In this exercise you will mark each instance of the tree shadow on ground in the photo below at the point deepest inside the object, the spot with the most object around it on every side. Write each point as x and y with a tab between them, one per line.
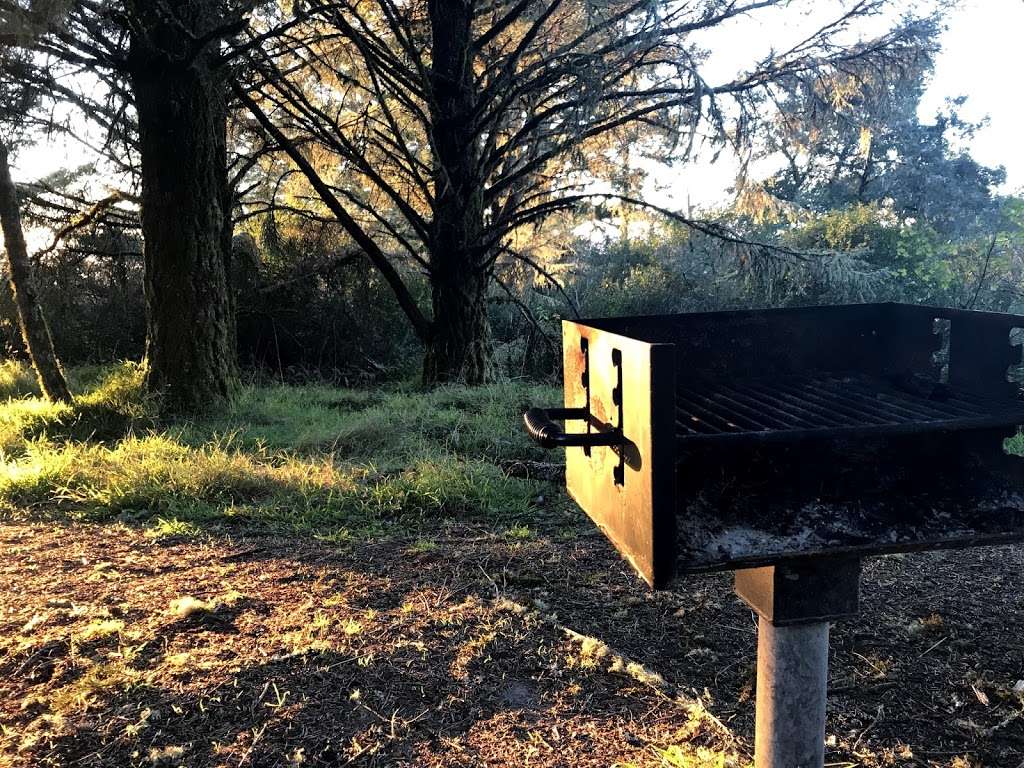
463	647
303	654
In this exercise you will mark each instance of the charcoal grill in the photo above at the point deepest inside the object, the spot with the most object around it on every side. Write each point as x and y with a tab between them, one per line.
787	445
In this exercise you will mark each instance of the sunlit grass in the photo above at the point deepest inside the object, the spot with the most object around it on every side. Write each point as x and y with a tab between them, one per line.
316	459
108	403
380	425
17	380
98	681
100	628
154	476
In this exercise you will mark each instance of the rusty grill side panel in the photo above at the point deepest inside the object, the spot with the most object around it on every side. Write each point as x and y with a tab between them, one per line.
981	351
628	491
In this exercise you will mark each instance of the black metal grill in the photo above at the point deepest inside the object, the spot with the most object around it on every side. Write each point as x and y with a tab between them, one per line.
738	439
838	403
789	444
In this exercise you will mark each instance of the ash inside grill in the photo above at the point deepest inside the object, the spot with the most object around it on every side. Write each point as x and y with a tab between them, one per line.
744	537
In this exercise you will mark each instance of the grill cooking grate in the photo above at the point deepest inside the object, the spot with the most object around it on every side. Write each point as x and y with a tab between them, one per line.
826	402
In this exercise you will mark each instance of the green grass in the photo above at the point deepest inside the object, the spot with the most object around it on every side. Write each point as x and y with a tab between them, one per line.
314	459
109	403
387	426
17	380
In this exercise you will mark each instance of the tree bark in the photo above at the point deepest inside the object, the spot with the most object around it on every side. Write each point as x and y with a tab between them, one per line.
34	330
459	349
182	114
459	346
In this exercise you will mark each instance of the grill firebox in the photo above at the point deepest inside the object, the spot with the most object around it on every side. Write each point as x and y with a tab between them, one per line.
741	439
788	445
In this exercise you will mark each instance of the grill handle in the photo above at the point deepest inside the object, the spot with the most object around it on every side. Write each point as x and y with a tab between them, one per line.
541	426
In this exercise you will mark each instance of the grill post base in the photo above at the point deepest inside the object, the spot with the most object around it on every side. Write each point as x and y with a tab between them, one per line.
795	602
792	679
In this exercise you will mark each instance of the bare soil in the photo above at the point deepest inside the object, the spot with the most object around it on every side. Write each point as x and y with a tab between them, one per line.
469	647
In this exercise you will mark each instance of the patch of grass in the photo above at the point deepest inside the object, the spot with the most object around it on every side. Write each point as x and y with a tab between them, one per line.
154	476
107	405
17	380
97	682
521	532
186	606
677	756
423	546
166	528
385	426
101	628
336	463
166	755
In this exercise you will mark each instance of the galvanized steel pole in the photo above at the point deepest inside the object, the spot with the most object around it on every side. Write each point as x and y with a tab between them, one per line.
792	681
795	601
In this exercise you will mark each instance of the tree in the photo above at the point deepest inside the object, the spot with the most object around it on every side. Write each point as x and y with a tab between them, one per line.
866	175
437	132
872	148
181	103
34	330
164	102
15	102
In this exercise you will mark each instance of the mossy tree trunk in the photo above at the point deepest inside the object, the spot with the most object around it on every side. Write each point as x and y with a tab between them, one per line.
459	346
34	330
180	100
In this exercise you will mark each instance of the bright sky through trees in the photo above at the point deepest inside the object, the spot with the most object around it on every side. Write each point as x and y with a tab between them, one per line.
981	58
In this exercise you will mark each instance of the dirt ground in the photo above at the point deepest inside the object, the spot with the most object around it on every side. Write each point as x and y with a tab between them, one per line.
468	647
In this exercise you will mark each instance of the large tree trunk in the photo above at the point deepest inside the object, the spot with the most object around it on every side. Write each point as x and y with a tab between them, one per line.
459	347
34	330
182	114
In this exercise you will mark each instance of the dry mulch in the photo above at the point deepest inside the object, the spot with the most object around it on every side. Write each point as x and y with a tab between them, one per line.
472	648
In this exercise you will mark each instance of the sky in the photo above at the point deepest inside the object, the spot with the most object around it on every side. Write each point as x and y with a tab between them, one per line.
982	57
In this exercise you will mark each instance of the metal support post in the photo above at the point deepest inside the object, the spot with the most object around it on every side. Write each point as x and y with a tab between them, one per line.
795	602
792	680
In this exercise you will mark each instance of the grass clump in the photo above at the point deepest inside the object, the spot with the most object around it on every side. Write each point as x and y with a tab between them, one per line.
172	527
17	380
98	681
187	606
184	607
108	403
101	628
